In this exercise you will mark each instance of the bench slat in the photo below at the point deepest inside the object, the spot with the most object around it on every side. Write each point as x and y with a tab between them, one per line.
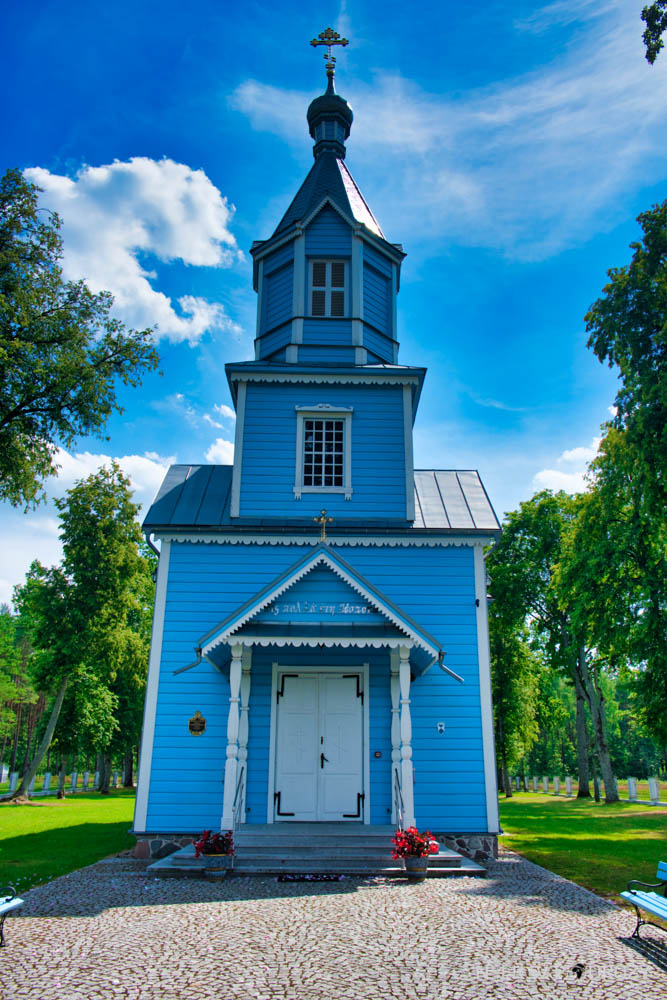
13	904
657	905
662	871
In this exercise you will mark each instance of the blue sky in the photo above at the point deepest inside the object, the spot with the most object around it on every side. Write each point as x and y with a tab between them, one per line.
509	150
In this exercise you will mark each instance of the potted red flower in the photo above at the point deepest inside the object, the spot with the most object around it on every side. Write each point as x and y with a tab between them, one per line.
414	848
217	849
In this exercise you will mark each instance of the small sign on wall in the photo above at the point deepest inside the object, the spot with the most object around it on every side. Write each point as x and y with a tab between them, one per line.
197	724
440	726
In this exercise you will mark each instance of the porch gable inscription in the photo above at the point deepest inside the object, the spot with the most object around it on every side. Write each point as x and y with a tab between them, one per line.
319	609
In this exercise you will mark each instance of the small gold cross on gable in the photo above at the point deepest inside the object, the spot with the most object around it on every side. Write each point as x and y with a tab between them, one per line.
323	520
329	38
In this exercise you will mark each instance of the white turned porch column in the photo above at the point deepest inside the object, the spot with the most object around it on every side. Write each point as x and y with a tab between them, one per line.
407	785
231	764
395	687
246	661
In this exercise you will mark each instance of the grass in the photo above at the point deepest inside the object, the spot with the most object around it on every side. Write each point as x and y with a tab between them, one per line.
598	846
49	837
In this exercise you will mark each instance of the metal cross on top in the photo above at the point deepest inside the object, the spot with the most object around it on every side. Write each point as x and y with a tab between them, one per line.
329	38
323	520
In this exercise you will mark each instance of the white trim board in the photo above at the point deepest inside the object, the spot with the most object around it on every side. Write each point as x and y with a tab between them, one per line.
364	670
391	541
484	660
152	685
235	502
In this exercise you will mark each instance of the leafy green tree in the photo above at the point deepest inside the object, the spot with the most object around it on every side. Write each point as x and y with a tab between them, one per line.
61	352
15	688
522	582
514	670
81	612
627	327
655	18
613	574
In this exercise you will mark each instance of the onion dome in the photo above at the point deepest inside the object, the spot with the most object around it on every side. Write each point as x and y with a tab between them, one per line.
329	121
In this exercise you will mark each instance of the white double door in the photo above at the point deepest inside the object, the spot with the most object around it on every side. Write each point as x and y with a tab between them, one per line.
319	747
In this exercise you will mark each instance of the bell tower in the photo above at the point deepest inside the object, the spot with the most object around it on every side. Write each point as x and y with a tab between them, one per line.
327	278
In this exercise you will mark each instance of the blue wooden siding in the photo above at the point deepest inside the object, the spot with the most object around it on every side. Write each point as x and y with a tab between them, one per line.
269	451
278	295
327	331
208	582
377	299
378	344
328	235
272	342
330	354
377	260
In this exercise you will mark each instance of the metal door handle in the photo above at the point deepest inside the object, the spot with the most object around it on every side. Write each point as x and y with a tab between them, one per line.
323	759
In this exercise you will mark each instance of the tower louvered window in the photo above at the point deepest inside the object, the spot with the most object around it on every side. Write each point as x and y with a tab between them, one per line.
327	278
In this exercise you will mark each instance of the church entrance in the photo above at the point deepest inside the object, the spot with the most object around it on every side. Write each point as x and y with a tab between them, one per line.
319	740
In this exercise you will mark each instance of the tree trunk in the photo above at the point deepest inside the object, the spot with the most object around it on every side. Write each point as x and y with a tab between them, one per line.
61	779
595	700
42	749
17	732
128	768
507	784
583	768
105	774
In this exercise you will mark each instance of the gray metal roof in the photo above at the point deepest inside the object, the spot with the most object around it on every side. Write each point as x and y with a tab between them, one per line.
198	497
329	176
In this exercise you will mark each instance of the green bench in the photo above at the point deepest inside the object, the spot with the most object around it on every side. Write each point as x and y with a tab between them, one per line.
650	902
8	901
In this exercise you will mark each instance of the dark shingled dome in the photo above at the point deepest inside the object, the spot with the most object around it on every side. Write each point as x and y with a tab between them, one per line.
329	105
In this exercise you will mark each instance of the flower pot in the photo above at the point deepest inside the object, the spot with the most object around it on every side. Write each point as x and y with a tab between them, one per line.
416	868
216	865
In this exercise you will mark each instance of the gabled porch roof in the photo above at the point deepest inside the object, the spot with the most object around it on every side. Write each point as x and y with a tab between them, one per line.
398	628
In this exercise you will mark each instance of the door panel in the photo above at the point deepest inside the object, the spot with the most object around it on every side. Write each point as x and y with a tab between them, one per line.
297	748
340	728
319	747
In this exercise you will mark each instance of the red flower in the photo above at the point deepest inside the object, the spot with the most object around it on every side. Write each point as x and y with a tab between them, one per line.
411	843
214	843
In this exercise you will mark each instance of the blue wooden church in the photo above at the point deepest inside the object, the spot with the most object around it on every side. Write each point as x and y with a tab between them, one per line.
320	646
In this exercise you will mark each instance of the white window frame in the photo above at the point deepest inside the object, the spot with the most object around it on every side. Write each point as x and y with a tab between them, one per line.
324	411
327	288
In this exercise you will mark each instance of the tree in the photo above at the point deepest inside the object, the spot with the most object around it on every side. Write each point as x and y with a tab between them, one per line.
61	352
522	582
655	18
81	613
514	670
613	574
627	327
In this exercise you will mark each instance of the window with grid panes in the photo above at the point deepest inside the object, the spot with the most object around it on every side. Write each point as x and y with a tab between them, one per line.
327	278
323	451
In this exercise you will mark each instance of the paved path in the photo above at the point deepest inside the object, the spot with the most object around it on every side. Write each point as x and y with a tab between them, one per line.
110	931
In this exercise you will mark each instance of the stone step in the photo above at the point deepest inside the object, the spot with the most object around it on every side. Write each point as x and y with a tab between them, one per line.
323	842
169	868
335	850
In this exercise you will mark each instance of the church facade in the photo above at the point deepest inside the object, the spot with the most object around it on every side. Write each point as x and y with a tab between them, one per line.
320	643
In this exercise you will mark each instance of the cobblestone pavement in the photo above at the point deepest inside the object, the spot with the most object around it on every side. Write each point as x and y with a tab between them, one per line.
111	931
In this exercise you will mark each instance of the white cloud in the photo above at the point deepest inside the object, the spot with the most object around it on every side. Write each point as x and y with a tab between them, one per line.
221	452
529	165
225	411
208	419
114	215
572	479
25	537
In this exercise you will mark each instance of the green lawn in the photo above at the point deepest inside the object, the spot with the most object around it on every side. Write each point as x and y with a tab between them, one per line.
599	846
50	837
